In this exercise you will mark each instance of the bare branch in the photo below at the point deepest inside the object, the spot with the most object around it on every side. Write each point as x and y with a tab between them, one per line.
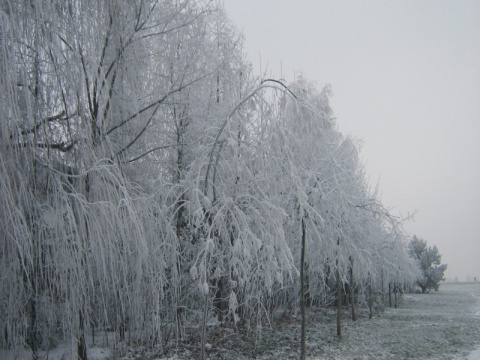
59	116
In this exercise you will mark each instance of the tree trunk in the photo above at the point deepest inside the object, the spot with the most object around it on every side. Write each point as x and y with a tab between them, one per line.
383	290
339	304
308	297
221	299
352	292
302	293
204	327
32	330
82	348
81	344
339	294
390	294
395	294
32	337
370	298
328	272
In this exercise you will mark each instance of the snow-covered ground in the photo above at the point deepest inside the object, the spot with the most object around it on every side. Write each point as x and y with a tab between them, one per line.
475	292
437	325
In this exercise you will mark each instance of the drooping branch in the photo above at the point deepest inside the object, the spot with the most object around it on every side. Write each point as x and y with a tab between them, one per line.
60	116
138	157
62	146
156	103
263	85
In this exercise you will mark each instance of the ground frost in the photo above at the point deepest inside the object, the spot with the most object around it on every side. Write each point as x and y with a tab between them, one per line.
438	325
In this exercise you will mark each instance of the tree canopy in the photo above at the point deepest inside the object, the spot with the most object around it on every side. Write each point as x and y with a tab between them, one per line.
149	180
430	262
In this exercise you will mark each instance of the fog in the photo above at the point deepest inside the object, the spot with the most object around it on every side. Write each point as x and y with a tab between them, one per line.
406	81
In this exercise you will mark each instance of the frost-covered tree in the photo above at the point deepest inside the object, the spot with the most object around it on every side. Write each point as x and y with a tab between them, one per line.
148	181
430	261
82	85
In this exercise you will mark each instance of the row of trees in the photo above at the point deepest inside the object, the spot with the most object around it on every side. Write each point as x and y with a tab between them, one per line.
149	181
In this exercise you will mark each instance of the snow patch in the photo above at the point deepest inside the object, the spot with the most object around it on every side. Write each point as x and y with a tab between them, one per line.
61	352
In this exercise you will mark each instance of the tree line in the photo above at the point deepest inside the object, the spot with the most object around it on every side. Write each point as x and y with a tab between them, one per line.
149	181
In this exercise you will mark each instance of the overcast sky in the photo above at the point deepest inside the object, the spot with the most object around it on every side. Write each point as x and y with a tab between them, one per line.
406	80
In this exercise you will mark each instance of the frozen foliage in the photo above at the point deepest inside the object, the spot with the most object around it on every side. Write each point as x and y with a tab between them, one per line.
430	262
150	184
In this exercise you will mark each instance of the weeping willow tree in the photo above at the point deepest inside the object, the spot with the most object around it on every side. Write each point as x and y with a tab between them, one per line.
110	113
148	181
81	245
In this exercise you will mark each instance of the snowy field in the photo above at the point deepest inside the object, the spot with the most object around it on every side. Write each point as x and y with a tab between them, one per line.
437	325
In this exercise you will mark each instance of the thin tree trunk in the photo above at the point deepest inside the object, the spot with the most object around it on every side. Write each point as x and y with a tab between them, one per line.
81	344
339	294
339	304
395	294
220	301
383	290
92	326
390	294
308	297
327	282
32	330
302	293
206	304
370	298
32	338
204	327
352	299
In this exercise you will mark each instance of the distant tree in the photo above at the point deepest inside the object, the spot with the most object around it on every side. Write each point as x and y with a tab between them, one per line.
429	260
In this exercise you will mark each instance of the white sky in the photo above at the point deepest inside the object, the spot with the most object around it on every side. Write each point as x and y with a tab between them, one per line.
406	80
